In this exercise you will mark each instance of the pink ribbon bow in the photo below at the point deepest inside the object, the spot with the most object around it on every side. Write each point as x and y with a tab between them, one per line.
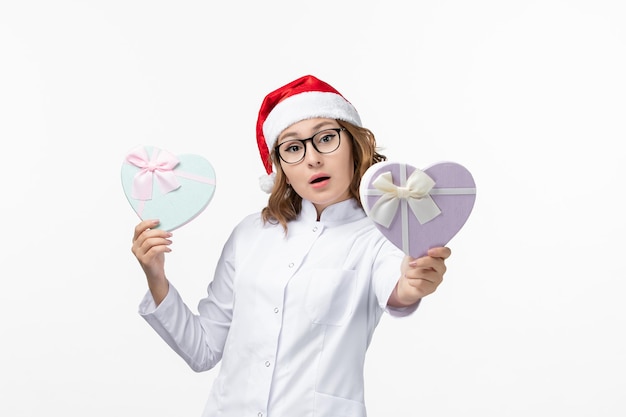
160	166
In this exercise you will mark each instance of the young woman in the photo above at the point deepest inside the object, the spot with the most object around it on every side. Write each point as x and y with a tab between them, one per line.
300	286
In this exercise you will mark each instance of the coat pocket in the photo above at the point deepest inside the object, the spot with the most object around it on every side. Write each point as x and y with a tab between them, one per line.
329	406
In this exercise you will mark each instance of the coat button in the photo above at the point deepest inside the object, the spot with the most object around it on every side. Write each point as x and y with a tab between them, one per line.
267	364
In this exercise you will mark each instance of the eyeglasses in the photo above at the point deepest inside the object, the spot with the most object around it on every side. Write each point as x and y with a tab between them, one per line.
326	141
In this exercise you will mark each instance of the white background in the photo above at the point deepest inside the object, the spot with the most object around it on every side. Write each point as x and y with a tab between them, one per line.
529	95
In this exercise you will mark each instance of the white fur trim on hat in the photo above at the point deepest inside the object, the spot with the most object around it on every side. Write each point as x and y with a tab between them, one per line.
307	105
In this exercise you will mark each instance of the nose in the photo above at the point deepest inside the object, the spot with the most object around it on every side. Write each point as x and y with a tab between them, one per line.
312	156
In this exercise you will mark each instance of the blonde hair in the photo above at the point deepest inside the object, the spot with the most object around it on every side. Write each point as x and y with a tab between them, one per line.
284	204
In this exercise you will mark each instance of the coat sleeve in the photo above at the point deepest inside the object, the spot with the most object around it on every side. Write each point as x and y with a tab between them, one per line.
386	272
197	338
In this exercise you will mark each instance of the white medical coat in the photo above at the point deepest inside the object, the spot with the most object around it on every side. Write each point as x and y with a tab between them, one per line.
290	317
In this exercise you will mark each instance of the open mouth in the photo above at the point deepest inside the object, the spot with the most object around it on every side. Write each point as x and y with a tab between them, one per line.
318	179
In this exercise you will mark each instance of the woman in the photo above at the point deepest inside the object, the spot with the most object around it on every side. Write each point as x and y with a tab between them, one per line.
299	287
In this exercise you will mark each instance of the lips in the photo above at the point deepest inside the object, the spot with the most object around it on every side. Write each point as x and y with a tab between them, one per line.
318	178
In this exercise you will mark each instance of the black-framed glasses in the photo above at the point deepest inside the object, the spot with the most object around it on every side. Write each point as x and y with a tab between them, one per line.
325	141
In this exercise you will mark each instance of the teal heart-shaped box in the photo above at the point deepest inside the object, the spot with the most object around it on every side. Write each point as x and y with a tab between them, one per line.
172	188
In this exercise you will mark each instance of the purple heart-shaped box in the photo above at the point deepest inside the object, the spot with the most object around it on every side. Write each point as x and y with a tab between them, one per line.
453	195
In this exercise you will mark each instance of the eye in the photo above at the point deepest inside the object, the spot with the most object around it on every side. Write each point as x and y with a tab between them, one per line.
291	147
326	136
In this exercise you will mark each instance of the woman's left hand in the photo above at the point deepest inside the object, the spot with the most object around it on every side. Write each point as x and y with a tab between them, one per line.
420	277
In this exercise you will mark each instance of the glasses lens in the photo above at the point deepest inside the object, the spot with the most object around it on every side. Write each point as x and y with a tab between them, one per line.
326	141
291	151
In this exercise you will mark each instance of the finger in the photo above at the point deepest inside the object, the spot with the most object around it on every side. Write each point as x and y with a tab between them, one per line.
427	267
148	239
153	253
442	252
423	286
143	226
428	280
436	253
150	234
428	262
155	242
428	275
418	281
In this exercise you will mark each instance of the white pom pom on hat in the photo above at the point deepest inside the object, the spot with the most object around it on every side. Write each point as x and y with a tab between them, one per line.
305	98
266	182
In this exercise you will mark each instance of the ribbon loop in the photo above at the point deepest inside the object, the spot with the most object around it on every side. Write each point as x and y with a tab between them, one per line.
415	192
160	165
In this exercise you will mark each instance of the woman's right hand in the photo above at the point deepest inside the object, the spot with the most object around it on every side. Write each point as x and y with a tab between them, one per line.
149	247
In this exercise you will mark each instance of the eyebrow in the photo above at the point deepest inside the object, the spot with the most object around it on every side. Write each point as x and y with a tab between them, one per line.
316	128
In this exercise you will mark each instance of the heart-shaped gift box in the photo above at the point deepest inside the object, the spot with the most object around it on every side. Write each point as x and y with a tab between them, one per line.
418	210
161	185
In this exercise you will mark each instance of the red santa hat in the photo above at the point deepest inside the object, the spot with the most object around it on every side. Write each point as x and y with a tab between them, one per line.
305	98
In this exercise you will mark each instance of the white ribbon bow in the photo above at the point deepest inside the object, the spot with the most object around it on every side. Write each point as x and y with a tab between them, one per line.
415	191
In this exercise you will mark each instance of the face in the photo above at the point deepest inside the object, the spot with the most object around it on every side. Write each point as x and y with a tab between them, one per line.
323	179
